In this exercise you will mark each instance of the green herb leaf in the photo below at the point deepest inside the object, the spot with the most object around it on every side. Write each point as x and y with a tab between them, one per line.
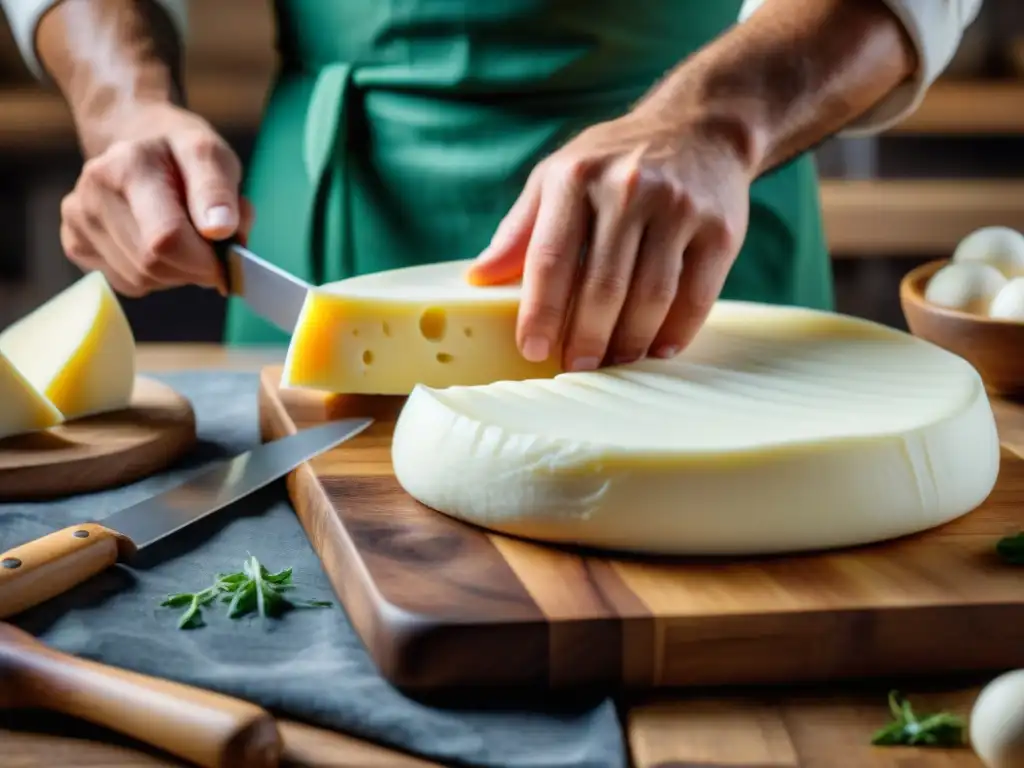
175	601
936	730
1011	549
243	601
253	589
230	578
281	577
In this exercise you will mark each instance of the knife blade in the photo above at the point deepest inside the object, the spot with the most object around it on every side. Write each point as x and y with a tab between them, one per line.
51	565
268	290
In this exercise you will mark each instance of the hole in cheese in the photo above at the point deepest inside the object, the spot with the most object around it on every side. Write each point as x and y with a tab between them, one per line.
433	324
367	357
444	357
406	316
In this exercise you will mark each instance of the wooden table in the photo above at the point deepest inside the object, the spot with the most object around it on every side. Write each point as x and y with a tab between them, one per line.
811	728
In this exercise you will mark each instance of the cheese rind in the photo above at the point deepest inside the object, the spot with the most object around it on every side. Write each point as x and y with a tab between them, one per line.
77	349
777	430
386	332
23	408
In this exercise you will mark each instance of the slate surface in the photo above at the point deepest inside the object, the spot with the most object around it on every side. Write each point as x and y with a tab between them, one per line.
310	665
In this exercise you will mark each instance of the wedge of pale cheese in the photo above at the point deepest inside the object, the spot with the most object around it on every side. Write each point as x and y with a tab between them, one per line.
386	332
23	408
777	430
77	349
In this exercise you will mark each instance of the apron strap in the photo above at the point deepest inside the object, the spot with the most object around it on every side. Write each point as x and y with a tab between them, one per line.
325	155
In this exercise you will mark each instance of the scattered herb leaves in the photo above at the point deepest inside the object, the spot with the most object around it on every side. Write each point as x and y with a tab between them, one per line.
935	730
253	589
1011	549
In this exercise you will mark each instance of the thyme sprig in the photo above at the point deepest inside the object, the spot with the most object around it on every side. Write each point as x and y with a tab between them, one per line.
253	589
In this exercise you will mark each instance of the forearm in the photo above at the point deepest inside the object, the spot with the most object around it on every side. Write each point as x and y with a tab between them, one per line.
793	74
108	57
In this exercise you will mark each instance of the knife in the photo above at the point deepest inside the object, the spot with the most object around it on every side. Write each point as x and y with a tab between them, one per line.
268	290
51	565
206	728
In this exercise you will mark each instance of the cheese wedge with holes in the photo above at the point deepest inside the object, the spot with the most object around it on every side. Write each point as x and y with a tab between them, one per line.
386	332
777	430
77	349
23	408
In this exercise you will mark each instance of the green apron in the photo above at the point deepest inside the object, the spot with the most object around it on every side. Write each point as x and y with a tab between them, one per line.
399	132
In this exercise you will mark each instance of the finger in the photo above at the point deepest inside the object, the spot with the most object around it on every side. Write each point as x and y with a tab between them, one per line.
82	214
502	261
549	270
706	266
602	285
656	277
120	226
81	253
211	173
165	230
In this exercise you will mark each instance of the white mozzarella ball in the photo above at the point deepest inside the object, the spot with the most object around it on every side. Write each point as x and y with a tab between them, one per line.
997	722
1008	304
967	287
1002	247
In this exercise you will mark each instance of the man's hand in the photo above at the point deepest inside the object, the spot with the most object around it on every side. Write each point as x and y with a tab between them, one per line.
656	202
143	208
658	214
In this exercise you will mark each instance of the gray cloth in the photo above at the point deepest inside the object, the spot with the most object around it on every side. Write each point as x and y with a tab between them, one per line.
310	665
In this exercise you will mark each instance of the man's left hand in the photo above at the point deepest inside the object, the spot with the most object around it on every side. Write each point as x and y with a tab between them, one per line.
623	238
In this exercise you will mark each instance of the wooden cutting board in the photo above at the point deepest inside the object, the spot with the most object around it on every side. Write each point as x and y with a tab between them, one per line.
442	604
100	452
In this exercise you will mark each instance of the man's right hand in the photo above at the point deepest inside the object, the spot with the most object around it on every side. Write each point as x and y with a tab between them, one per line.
143	210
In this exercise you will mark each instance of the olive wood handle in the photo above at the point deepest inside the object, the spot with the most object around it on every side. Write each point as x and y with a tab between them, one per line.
209	729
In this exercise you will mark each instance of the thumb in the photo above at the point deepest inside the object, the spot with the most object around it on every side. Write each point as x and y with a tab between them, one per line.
502	261
211	173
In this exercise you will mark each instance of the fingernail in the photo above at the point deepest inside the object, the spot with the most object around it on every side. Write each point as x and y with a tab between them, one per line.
666	352
220	216
536	349
625	359
585	364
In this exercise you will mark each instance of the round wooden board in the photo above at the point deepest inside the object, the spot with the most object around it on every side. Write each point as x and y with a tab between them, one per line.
100	452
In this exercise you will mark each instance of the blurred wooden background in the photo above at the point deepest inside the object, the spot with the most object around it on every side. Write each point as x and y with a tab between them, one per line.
890	203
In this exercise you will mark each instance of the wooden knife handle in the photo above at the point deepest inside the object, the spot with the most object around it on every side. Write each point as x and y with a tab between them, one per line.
209	729
35	572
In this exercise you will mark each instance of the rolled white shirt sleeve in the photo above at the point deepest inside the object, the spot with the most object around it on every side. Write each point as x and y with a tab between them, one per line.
24	16
936	28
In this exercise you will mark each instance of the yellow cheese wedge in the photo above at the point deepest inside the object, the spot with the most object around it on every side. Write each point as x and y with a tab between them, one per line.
77	349
386	332
777	430
23	408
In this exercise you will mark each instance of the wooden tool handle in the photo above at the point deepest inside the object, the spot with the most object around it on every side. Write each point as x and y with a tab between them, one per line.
209	729
35	572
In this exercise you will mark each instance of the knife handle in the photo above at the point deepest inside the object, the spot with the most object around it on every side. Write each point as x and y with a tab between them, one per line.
209	729
49	566
220	250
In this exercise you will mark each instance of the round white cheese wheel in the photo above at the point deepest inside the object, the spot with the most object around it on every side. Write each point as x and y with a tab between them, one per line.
967	287
997	722
1008	304
779	429
1001	247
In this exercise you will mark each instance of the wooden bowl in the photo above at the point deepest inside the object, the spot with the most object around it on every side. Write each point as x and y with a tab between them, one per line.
994	347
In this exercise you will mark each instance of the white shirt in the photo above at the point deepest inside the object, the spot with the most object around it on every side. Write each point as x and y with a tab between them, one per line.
935	27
